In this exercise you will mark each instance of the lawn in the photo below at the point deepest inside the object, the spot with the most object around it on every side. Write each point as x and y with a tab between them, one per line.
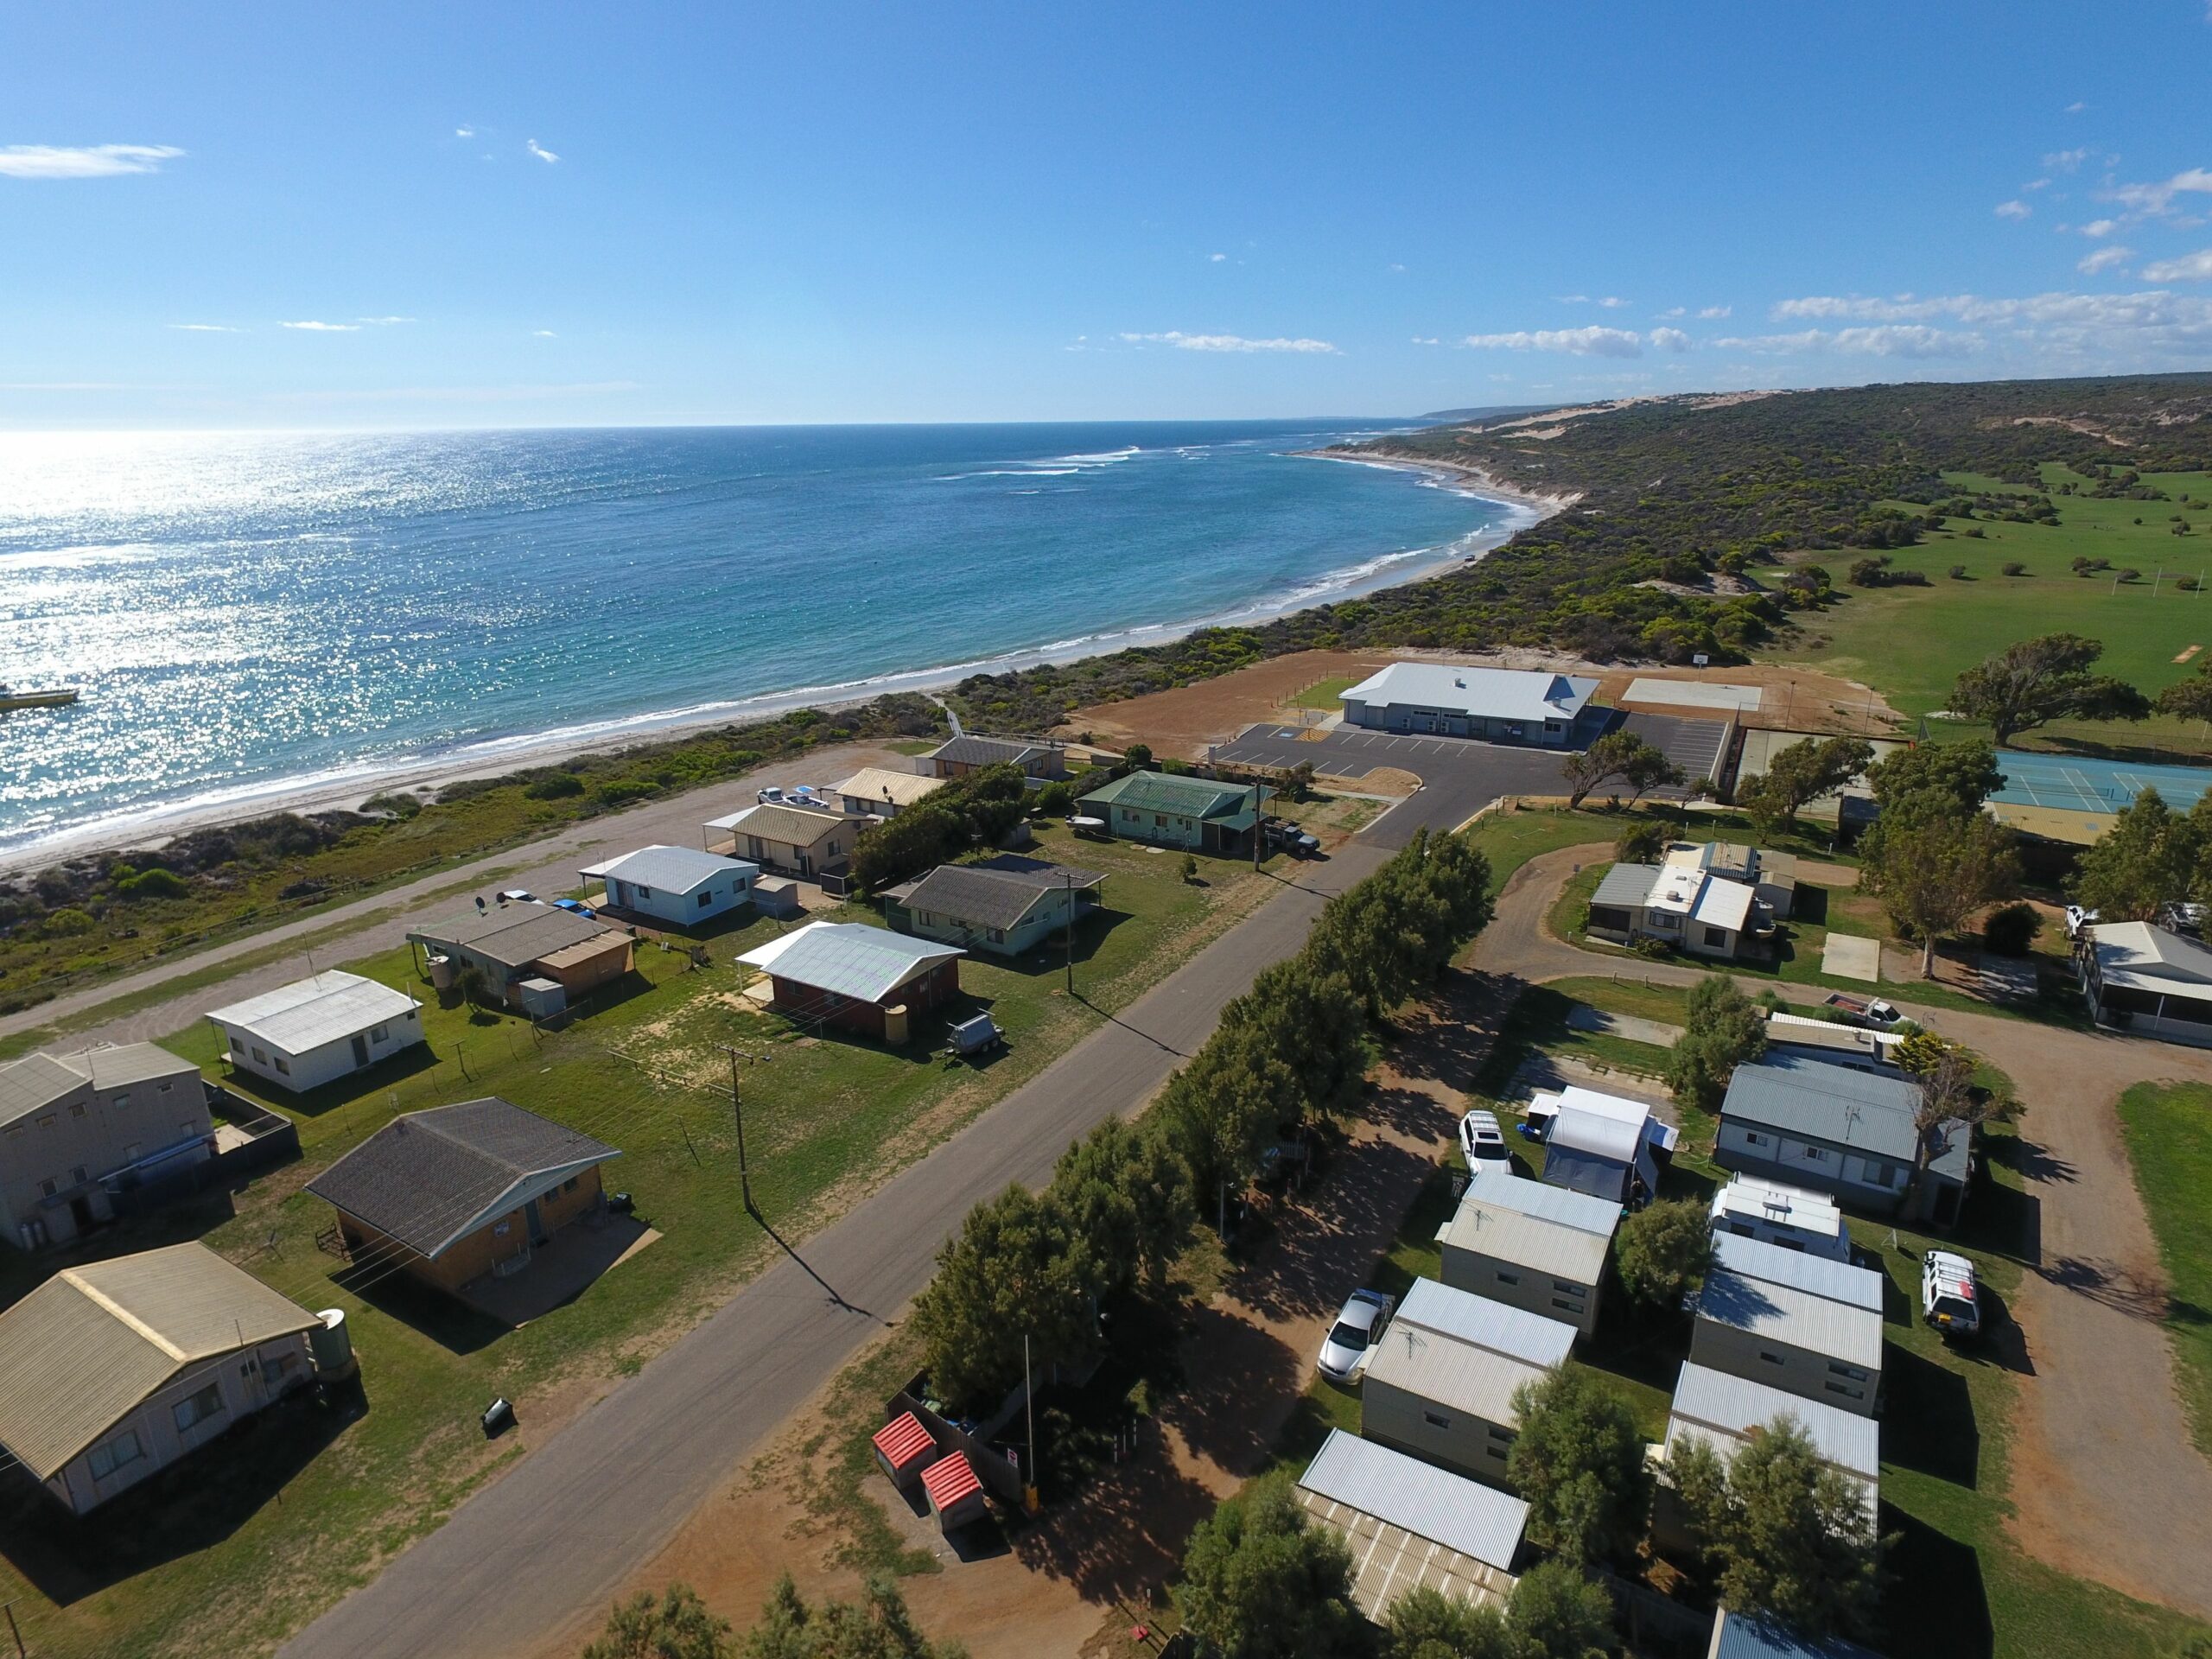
1911	643
2168	1133
224	1553
1326	695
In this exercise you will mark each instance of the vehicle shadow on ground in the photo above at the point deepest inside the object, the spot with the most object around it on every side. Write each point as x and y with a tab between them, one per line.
195	1503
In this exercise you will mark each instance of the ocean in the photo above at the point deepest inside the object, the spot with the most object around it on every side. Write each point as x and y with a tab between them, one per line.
248	614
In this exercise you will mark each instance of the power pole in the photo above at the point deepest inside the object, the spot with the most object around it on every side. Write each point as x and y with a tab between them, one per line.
10	1611
1259	805
1069	919
737	1110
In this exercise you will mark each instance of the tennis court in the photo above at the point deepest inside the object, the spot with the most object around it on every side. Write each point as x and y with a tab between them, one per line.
2068	782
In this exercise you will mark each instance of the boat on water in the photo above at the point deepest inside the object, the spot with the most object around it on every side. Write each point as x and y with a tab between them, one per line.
46	698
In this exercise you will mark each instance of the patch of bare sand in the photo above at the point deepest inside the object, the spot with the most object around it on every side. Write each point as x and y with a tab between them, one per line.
1182	722
1796	699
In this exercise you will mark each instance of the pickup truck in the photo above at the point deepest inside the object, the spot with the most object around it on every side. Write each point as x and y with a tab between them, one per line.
1871	1011
1282	833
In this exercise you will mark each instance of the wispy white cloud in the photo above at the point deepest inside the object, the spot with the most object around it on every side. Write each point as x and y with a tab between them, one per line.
1216	258
2037	184
2100	227
1426	339
2156	199
1570	299
2013	210
2189	268
1184	342
1670	339
539	150
1712	313
2105	258
1674	311
1612	301
383	322
324	327
82	161
2076	107
544	334
1592	341
2065	161
205	328
2151	327
1883	340
464	132
1395	270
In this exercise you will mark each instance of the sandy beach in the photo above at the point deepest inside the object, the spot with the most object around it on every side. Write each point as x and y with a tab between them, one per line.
345	790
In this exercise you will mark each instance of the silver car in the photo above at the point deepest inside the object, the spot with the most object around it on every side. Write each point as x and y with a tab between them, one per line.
1351	1342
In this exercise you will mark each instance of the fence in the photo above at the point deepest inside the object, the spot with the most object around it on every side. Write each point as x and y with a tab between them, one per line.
271	1139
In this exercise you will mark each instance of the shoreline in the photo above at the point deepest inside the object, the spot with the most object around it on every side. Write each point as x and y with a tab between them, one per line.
1461	475
344	789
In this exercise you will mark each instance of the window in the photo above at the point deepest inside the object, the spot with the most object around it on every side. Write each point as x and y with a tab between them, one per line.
283	1067
379	1033
1753	1138
260	1058
275	1370
1436	1419
1851	1371
1665	921
1816	1155
48	1187
706	899
569	1185
1567	1307
77	1108
998	935
1497	1433
1565	1289
80	1174
1498	1451
644	892
1771	1359
111	1455
198	1408
1718	936
1848	1394
125	1100
1509	1278
47	1122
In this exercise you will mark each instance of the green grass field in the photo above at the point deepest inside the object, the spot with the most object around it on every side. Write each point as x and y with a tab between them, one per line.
1911	643
224	1553
2169	1135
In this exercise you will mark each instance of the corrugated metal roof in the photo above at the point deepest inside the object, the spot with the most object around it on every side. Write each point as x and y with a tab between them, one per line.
676	869
1403	1491
979	897
325	1007
880	785
848	958
1839	1281
513	935
1717	1402
84	1350
903	1440
1723	903
33	1083
950	1480
1165	791
1798	1095
968	750
1626	886
1492	693
1786	1314
430	1178
1502	1190
1460	1375
798	826
1504	1329
41	1079
1536	1243
115	1065
1736	1636
2147	958
1755	1198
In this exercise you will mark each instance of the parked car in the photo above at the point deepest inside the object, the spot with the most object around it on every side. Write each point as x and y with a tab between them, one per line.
2182	918
2077	918
1481	1140
770	796
1946	1293
575	906
1282	833
518	896
1351	1342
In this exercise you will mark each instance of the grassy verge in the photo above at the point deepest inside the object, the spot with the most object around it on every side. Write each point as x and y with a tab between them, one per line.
225	1552
2168	1133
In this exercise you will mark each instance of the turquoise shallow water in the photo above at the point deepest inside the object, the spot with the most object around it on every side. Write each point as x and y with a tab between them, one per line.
246	614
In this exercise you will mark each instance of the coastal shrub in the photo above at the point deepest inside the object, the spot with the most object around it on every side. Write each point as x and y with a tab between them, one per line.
2011	930
67	923
2013	568
554	786
152	884
1958	573
622	791
393	802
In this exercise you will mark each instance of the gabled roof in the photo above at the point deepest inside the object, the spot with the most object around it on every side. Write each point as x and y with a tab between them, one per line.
2146	958
1431	1305
1467	1351
430	1179
881	783
1626	886
1497	693
1741	1636
1547	1229
1783	1313
1757	1198
972	751
85	1349
848	958
1446	1509
1168	791
1810	1098
1719	1403
41	1079
515	934
1840	1281
802	826
325	1007
33	1083
679	870
985	897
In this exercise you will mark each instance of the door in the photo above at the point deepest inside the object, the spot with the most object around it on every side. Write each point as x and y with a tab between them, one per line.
533	1221
360	1049
80	1212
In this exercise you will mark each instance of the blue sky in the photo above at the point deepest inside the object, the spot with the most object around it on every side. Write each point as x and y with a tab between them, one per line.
510	215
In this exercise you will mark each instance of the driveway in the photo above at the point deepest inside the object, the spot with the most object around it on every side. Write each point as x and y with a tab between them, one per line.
1459	776
2107	1482
547	867
543	1549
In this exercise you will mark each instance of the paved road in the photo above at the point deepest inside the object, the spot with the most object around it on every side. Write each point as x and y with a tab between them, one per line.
550	1541
548	867
2106	1482
1459	776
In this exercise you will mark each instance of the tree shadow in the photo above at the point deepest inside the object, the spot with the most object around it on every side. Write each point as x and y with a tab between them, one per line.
197	1502
1124	1535
1936	1606
1927	1422
1301	1272
2115	1287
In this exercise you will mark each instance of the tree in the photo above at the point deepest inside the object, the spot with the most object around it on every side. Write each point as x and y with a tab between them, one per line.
1947	780
1788	1533
1577	1461
1261	1582
2034	682
1014	1270
1799	775
1951	1103
1313	1022
1190	870
1555	1613
1663	1249
2145	860
877	1626
1425	1623
1137	758
1642	844
1618	755
676	1626
1931	874
1722	1029
1221	1110
2189	698
1126	1199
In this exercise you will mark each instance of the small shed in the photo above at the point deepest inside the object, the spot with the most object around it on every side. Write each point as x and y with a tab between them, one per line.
904	1448
776	895
955	1495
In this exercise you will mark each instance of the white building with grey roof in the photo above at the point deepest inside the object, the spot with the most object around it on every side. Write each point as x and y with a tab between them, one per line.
1007	904
76	1128
1538	1247
1409	1524
1727	1412
680	886
1841	1130
318	1029
1441	1382
1502	705
1801	1341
